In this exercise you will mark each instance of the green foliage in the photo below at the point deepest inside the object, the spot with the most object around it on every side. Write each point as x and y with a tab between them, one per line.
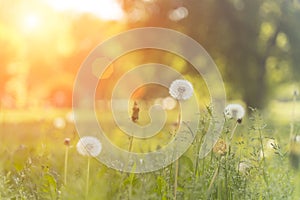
254	168
254	43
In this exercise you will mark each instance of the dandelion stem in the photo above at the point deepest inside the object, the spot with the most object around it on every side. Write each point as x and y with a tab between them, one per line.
233	131
228	143
87	178
176	178
177	161
66	165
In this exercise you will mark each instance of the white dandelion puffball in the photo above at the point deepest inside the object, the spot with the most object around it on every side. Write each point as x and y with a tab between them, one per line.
89	146
181	89
235	111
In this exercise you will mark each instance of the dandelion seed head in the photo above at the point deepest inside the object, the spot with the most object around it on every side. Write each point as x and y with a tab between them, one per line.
235	111
89	146
181	89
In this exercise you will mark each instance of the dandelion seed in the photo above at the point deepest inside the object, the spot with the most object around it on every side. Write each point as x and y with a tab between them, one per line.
235	111
89	146
181	89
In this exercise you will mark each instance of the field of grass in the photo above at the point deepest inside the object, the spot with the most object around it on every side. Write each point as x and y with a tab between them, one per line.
259	163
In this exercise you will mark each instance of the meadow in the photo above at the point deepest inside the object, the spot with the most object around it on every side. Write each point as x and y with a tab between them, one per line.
260	163
55	51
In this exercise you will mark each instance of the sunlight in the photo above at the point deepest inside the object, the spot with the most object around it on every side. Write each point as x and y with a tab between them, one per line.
31	22
106	10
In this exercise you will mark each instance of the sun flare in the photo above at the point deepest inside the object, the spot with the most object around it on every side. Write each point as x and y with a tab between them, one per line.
105	10
31	22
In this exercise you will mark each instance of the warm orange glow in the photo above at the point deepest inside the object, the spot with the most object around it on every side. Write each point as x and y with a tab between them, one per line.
31	22
45	43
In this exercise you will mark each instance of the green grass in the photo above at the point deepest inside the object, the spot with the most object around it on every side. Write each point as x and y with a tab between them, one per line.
32	156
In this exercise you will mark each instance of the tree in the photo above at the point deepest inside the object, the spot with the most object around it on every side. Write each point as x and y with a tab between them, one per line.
242	37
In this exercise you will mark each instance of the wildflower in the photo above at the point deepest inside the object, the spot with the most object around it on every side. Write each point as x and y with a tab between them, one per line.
220	147
181	89
235	111
135	112
67	141
89	146
59	123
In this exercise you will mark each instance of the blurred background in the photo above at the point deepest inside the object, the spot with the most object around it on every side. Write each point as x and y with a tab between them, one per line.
255	44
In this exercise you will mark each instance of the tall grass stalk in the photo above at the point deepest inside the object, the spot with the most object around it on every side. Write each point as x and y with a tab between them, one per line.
213	179
264	161
293	115
176	178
